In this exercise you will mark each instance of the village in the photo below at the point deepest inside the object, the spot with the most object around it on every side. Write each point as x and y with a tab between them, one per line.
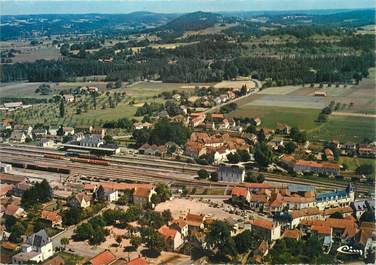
187	132
276	185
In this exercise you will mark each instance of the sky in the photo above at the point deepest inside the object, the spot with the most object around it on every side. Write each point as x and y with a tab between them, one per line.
17	7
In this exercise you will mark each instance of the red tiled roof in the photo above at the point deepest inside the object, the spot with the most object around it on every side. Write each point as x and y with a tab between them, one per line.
142	192
4	189
305	212
104	258
349	226
323	230
330	211
238	191
194	219
259	198
263	223
167	232
138	261
11	209
4	178
292	233
116	186
257	185
51	216
180	222
82	196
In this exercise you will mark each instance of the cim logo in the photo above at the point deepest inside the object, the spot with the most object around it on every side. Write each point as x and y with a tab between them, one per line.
349	250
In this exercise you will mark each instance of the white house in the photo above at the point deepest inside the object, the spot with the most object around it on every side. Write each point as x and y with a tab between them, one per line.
172	237
37	249
106	194
79	200
271	230
181	225
338	198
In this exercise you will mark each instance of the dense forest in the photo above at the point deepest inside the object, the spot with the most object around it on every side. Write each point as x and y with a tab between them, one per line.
299	58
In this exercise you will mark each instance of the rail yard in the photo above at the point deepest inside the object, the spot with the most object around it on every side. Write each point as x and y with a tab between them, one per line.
128	168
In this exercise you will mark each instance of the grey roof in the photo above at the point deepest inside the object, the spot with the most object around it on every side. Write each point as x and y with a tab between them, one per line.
359	205
326	196
38	239
230	169
91	139
300	187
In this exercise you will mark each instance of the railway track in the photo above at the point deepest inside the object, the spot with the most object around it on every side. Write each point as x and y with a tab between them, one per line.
138	160
146	173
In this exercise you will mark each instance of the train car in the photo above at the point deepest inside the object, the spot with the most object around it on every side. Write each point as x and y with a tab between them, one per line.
61	157
90	161
76	152
90	156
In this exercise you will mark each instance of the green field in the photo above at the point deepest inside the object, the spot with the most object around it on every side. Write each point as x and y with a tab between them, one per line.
270	116
344	128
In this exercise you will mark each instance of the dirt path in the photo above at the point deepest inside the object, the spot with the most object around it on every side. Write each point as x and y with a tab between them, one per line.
363	115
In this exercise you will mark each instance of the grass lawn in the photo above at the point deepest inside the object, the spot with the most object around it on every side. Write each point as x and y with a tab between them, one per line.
270	116
344	128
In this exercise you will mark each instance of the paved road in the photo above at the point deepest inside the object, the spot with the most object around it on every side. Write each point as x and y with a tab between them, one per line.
68	232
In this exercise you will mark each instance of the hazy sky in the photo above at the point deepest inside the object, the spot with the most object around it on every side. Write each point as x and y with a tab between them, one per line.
14	7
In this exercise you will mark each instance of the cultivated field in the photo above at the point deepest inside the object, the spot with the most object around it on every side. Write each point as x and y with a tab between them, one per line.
236	84
18	89
297	106
39	53
27	89
288	101
282	90
30	53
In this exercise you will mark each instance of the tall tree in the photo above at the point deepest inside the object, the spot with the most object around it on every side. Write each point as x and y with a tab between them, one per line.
62	108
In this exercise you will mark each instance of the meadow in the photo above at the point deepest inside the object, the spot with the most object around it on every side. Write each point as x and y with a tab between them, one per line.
270	116
344	129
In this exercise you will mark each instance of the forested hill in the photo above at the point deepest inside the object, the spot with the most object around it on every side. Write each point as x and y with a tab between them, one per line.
193	21
23	26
